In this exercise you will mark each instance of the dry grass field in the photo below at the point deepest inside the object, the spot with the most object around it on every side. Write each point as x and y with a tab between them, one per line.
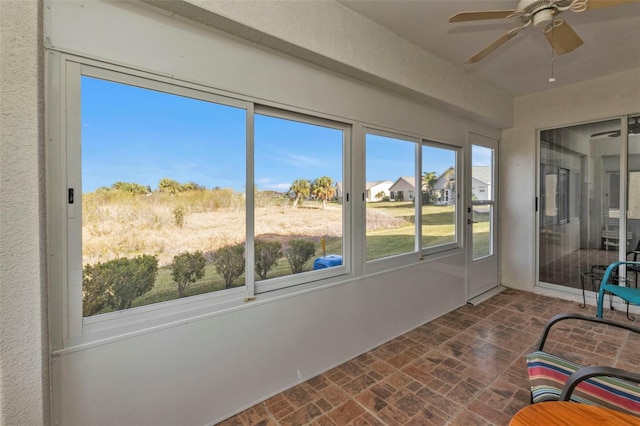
129	225
121	232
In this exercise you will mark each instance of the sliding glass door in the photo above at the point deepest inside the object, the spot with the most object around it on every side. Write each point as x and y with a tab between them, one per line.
580	200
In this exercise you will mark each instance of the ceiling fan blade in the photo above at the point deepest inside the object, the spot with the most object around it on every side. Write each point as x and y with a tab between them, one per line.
494	45
562	37
482	15
598	4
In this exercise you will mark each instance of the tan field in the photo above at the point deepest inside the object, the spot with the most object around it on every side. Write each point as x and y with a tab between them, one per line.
155	232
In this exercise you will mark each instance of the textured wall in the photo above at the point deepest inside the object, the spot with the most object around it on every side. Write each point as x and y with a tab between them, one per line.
23	371
592	100
328	34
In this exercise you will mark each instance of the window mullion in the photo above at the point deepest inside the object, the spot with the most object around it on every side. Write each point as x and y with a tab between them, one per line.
250	275
73	314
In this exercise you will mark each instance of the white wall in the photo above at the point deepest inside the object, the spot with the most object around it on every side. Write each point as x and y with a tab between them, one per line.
588	101
204	369
23	339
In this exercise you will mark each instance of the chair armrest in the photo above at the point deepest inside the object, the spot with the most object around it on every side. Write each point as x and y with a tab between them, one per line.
561	317
635	254
587	372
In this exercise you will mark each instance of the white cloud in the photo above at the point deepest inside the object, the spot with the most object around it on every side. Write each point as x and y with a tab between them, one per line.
280	187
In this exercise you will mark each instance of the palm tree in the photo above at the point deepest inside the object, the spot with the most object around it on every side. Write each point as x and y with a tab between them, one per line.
323	189
428	180
301	188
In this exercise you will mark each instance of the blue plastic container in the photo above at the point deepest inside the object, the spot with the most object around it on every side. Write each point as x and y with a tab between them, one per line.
327	261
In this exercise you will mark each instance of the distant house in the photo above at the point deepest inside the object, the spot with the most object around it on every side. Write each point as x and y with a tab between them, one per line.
444	188
481	182
403	189
379	190
376	191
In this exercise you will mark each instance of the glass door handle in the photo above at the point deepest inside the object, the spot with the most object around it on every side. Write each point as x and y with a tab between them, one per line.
469	221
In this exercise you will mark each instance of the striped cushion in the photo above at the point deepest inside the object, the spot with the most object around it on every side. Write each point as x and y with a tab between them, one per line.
548	373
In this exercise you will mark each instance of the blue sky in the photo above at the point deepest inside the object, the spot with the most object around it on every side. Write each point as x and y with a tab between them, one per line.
131	134
481	156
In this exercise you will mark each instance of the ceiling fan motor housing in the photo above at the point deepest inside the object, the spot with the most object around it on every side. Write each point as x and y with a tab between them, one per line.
539	11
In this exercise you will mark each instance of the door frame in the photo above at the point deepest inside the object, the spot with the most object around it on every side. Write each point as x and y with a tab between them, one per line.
483	273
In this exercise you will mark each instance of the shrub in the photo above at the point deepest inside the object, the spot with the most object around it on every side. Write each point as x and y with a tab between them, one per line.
267	254
191	186
115	284
187	268
133	188
169	185
178	216
298	252
229	263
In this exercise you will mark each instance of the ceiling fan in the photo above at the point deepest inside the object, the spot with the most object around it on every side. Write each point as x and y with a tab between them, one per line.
634	129
542	14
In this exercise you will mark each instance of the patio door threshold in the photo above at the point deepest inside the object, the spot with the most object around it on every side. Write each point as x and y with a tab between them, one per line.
475	301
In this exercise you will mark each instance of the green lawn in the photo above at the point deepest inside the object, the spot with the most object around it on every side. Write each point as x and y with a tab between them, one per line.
438	227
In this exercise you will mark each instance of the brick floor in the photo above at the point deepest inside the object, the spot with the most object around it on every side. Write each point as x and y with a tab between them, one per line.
464	368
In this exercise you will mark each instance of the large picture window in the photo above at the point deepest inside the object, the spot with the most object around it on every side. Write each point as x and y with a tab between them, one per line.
177	198
163	196
171	199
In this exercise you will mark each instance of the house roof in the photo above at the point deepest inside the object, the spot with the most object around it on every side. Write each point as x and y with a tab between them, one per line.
407	180
443	174
370	185
481	173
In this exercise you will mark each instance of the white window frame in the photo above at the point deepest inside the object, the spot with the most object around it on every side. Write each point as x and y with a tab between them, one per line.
68	327
458	217
420	253
335	271
401	259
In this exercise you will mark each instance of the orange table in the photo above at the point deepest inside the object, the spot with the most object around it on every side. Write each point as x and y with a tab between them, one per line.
556	413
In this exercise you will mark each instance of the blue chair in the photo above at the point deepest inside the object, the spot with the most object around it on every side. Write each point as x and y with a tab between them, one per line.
609	284
634	256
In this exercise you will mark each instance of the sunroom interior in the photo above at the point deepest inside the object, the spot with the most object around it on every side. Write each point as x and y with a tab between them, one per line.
557	182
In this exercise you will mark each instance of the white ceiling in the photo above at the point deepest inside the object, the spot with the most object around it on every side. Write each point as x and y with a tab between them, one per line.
523	65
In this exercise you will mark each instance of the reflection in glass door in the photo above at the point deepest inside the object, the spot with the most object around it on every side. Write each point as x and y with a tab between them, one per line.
579	207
